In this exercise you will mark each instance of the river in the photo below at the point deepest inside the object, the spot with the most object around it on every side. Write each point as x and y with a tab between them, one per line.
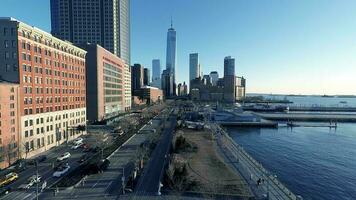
317	163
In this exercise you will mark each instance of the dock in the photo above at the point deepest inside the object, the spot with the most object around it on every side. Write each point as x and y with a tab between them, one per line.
309	117
322	109
261	124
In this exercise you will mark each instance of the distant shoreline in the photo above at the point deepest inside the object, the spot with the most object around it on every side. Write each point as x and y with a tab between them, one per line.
301	95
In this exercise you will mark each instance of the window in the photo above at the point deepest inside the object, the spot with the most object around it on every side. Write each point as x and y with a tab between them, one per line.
26	133
7	67
23	56
29	47
7	55
6	44
31	132
13	43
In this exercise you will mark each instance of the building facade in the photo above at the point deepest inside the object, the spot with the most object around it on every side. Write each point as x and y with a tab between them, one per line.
105	73
194	67
51	75
156	69
137	74
103	22
229	79
240	88
9	123
150	94
167	83
146	76
214	76
171	61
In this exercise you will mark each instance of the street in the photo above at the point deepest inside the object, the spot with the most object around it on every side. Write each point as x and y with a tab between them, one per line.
148	183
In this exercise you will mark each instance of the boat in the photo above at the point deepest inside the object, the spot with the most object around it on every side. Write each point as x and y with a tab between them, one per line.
343	102
266	108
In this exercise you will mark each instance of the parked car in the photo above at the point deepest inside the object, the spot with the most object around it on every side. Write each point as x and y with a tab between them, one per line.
64	156
61	171
41	158
77	145
35	179
78	140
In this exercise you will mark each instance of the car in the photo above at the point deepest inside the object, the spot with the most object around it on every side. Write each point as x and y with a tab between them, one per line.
83	158
35	179
61	171
41	158
64	156
78	140
9	178
77	145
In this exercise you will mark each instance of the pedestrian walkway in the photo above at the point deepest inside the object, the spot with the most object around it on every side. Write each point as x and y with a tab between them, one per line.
263	183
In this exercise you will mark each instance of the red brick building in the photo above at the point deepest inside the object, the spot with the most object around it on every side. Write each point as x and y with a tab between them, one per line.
51	75
9	123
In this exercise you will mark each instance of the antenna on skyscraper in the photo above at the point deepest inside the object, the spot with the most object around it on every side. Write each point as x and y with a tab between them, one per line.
171	22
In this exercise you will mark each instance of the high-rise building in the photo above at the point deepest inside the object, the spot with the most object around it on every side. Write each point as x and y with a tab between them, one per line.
229	79
137	74
9	123
194	67
207	80
156	74
167	83
105	73
103	22
240	88
146	76
171	61
214	76
156	69
51	75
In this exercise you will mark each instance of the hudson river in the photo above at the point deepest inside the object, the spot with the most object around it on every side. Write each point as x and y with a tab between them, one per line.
317	163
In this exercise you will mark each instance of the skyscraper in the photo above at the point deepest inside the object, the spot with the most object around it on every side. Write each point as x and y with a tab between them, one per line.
214	77
171	59
103	22
156	69
194	67
146	76
137	72
229	79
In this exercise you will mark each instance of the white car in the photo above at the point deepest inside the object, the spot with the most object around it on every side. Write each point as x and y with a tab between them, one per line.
61	171
64	156
31	181
78	140
77	145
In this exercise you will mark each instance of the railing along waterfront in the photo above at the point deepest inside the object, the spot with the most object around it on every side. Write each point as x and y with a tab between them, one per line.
264	183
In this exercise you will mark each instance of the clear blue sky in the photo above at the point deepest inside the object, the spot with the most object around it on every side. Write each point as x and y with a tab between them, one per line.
280	46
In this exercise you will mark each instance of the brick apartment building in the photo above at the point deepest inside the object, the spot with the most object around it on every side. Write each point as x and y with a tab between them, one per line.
51	77
9	123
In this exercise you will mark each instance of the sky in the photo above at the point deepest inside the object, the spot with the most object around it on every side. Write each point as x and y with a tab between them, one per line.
280	46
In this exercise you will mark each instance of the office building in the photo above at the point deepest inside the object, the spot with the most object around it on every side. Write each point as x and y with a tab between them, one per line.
182	89
214	76
240	88
194	66
137	74
150	94
171	61
9	123
156	69
167	83
105	73
103	22
146	76
51	75
207	80
229	79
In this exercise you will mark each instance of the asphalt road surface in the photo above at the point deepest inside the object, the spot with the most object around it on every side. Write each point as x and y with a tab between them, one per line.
148	183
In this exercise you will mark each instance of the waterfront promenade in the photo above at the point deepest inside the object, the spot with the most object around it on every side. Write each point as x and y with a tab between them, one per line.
315	117
263	183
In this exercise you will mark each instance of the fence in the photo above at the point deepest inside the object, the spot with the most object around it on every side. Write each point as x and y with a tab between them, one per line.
263	183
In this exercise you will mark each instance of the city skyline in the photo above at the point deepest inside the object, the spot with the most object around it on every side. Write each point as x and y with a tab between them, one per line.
310	41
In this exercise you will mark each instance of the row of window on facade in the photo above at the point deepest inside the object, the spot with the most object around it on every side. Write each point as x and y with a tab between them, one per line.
52	44
28	100
30	111
39	70
40	90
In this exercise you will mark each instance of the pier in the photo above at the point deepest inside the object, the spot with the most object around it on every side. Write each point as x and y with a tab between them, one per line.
322	109
310	117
